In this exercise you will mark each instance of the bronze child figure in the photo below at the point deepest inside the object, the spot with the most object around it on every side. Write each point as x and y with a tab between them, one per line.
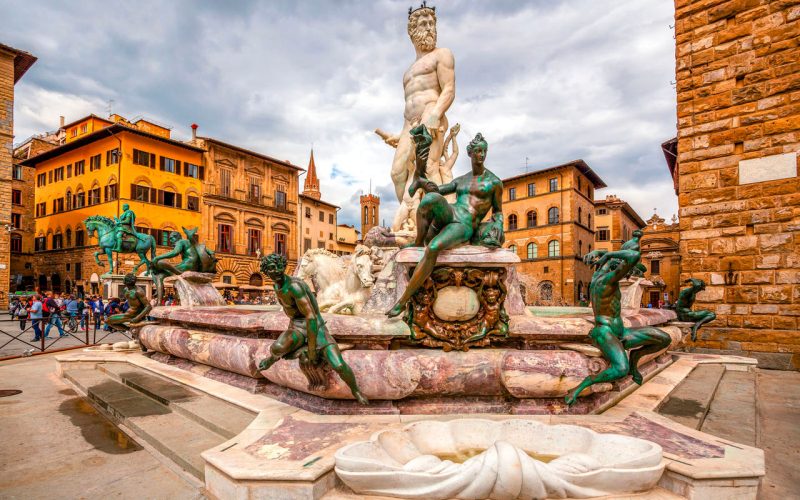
306	337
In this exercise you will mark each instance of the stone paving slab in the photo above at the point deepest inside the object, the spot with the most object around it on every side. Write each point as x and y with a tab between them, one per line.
53	444
688	403
732	412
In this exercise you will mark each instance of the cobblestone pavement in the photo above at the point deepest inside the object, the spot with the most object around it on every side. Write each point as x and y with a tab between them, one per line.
53	444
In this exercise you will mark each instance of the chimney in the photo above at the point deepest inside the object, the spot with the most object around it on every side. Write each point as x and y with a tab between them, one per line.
61	121
194	132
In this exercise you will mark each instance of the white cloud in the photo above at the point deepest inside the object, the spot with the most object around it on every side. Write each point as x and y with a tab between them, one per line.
550	81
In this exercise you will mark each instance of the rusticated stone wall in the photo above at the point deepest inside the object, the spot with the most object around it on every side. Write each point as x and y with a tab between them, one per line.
738	84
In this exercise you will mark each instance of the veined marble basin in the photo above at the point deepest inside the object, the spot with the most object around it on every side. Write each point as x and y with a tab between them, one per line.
509	459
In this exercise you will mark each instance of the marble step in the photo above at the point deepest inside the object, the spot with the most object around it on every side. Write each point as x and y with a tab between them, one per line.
178	438
689	402
215	414
732	414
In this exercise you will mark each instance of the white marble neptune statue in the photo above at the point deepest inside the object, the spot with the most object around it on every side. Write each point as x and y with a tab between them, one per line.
430	86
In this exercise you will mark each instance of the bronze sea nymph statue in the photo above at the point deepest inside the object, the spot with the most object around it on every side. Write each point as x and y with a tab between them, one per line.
441	225
306	338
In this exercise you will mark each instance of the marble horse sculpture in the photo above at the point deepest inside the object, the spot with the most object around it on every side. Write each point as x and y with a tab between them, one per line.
683	306
306	338
609	334
194	257
341	287
111	239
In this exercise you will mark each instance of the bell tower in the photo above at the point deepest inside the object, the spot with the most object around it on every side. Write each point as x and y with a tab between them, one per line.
370	213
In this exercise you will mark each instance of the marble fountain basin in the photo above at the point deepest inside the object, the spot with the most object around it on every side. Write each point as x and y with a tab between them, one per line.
508	459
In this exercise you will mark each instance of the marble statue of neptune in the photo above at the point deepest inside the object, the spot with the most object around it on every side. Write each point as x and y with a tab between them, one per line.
429	86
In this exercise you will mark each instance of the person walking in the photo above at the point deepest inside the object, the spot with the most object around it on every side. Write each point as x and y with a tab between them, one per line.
53	311
71	307
22	312
97	310
83	312
36	317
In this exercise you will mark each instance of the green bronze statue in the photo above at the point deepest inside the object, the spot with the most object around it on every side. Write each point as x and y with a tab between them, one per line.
306	338
194	257
683	307
441	225
139	306
111	237
125	227
609	334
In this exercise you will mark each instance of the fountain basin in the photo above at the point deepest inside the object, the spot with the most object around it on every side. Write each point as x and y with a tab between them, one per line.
415	461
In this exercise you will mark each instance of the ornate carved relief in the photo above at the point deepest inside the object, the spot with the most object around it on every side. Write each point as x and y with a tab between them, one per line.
475	329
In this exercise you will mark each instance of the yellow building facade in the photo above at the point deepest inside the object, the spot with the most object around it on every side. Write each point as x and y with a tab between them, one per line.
102	165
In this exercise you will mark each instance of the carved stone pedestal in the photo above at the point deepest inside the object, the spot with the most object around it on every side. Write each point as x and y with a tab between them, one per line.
466	300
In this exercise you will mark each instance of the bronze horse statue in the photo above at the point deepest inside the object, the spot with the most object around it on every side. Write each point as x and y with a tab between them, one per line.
106	239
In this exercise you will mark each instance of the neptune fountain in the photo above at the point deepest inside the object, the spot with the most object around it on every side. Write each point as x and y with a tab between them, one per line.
427	319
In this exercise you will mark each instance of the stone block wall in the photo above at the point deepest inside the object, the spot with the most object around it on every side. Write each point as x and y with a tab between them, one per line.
6	144
738	85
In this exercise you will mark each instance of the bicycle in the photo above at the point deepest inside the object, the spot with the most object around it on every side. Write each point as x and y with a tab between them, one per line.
71	325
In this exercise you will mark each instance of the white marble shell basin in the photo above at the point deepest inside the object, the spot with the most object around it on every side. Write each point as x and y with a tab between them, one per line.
406	463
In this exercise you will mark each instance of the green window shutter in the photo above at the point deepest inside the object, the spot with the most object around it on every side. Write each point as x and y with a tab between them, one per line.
179	201
152	160
178	167
161	162
202	172
160	197
153	195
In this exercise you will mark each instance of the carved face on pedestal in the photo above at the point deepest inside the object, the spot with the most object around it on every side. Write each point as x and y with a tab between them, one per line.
422	29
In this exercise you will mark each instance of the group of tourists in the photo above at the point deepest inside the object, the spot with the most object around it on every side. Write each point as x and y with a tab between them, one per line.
52	309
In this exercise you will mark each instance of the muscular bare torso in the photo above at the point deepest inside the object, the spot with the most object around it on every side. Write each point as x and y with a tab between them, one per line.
421	84
289	292
474	196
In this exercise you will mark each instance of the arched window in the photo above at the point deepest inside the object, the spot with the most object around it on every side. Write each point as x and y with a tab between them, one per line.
552	215
256	280
532	218
589	223
68	235
68	197
580	214
546	291
553	249
366	215
512	222
533	251
512	248
580	248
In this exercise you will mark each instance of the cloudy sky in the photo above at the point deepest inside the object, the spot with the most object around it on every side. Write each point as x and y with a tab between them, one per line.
548	81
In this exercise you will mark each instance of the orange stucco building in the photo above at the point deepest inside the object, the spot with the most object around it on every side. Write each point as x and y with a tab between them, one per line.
549	225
